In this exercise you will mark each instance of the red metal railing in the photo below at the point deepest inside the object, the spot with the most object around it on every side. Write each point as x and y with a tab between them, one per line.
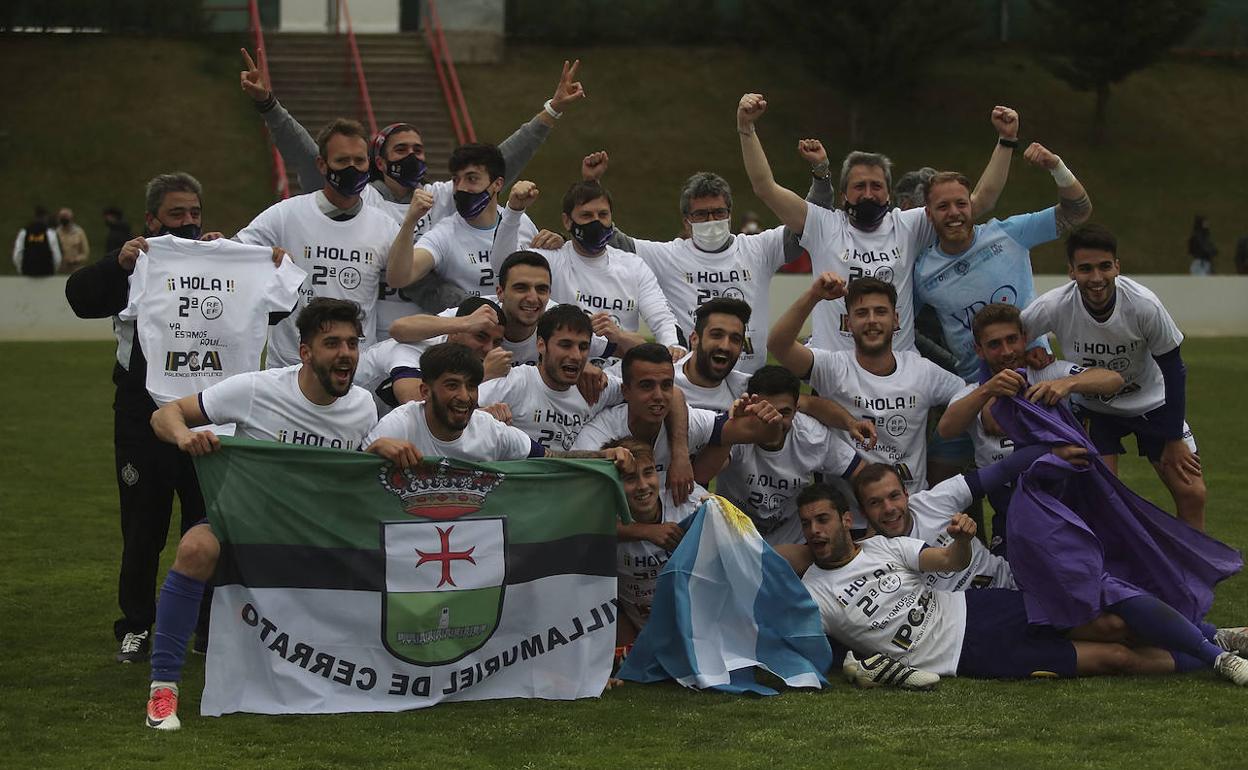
281	183
461	121
365	101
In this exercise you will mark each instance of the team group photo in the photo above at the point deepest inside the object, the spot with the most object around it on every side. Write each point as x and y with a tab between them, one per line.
555	385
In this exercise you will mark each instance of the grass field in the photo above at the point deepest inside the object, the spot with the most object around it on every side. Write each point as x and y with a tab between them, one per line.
67	704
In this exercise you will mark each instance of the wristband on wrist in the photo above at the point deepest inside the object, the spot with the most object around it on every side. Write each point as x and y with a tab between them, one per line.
1062	175
267	104
550	110
821	170
1010	143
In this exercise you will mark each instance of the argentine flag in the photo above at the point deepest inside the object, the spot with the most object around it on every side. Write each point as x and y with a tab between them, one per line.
725	603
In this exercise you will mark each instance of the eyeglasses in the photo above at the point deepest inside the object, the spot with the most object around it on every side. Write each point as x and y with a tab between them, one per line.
706	215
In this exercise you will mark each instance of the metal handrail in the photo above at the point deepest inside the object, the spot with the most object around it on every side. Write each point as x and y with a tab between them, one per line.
361	81
444	65
281	182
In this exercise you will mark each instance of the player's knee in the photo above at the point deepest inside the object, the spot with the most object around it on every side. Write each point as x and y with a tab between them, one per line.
197	553
1110	627
1118	659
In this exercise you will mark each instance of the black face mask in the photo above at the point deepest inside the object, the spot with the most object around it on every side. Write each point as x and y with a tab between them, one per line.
65	221
409	172
190	230
348	181
470	204
593	235
866	214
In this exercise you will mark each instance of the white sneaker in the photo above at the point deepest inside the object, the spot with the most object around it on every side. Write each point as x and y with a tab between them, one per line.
880	670
162	709
1232	667
1232	639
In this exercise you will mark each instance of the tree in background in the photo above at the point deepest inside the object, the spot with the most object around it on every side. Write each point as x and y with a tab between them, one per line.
869	48
1092	44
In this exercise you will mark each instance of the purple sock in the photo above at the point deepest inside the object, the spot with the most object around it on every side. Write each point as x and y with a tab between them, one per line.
1208	629
176	614
1184	663
1154	622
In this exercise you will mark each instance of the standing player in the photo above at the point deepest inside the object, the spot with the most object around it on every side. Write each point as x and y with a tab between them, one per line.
974	265
312	403
339	242
763	479
543	400
894	388
647	543
1001	345
868	238
873	595
1105	320
447	422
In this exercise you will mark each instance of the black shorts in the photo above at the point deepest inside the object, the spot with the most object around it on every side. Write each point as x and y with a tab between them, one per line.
1108	430
1001	644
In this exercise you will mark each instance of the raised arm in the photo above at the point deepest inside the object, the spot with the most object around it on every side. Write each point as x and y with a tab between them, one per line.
417	328
992	180
787	205
961	413
292	140
519	148
957	555
507	236
405	263
1073	205
782	339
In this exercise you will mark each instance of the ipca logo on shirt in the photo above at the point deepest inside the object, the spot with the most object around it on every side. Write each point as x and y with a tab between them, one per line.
180	363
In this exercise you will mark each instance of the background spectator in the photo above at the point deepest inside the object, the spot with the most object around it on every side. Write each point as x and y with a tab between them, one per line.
118	229
36	251
75	249
1200	247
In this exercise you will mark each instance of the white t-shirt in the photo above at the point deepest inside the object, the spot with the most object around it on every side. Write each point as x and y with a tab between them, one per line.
880	602
1138	329
931	512
898	403
550	417
689	277
343	260
269	406
464	255
716	399
765	484
524	352
202	310
992	448
640	561
616	283
612	424
887	253
484	440
392	303
378	363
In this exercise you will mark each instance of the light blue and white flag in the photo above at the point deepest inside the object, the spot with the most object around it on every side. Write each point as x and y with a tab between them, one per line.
726	603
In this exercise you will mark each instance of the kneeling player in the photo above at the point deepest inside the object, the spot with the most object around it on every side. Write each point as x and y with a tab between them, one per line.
873	596
314	398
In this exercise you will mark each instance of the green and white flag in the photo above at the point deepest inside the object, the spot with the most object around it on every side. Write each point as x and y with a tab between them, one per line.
345	584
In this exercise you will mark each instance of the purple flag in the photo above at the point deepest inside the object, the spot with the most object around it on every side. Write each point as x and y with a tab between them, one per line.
1081	540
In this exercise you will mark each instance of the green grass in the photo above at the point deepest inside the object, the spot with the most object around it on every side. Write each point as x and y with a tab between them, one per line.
66	704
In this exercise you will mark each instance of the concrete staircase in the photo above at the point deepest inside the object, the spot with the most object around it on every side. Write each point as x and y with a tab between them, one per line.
315	80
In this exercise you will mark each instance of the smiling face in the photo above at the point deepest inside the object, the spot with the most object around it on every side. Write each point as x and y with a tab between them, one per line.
450	401
648	391
827	533
717	348
1094	271
1002	346
872	319
641	489
332	356
525	296
949	208
885	504
866	181
563	357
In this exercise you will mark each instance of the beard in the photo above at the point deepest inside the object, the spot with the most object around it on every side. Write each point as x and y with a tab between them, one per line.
325	376
443	414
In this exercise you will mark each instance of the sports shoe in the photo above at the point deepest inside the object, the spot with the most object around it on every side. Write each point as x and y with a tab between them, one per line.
880	670
135	648
162	709
1232	639
1232	667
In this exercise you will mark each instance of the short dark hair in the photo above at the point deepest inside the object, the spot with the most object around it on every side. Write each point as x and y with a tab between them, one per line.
380	143
772	380
531	258
861	287
649	352
996	313
470	305
821	491
565	316
871	474
450	358
1090	236
162	184
641	451
487	156
318	314
727	306
339	127
583	192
